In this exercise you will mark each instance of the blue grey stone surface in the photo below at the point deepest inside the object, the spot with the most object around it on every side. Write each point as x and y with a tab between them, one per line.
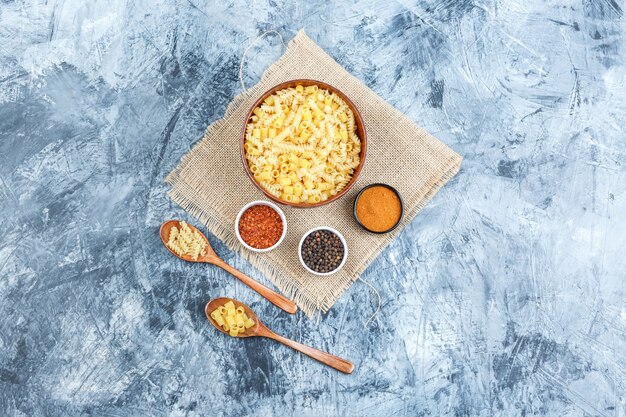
504	297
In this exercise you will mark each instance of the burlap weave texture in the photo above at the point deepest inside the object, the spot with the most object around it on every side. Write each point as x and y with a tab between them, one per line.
210	182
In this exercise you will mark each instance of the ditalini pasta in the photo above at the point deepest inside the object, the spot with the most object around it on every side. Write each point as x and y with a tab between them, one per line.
301	144
185	241
232	319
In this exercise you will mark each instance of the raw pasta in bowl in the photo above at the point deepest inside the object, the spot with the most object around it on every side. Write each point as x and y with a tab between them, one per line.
303	143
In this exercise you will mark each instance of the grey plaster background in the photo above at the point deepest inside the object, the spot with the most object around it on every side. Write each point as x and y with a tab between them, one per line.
504	297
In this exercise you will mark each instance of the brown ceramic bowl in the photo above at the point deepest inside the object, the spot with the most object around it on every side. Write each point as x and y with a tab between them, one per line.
360	131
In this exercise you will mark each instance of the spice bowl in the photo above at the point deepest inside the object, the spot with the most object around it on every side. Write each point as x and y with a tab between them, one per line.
378	208
343	244
254	204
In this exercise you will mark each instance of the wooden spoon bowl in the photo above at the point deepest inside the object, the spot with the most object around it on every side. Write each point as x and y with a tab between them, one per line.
164	232
259	329
217	302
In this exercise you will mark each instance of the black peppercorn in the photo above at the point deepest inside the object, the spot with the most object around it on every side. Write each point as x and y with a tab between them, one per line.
322	251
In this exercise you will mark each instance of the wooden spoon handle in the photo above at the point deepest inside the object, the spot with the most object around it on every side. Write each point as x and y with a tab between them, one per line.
273	297
326	358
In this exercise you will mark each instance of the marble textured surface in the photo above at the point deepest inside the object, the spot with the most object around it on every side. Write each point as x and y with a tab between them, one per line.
504	297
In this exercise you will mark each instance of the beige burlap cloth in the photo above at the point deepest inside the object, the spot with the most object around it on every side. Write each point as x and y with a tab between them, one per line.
210	182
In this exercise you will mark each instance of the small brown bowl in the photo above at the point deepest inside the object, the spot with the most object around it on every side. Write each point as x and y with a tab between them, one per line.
378	184
360	131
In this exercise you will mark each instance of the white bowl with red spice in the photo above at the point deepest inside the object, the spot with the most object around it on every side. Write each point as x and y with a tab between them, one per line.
260	226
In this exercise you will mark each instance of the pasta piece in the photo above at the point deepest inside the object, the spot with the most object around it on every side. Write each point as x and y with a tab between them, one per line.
217	316
220	320
230	308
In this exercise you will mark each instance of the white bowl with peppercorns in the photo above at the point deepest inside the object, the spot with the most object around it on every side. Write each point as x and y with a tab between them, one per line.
260	226
323	251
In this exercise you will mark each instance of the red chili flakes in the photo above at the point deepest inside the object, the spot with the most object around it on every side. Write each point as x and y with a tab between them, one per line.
260	226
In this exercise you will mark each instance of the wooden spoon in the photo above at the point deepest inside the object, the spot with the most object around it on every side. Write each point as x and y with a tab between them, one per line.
259	329
212	258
